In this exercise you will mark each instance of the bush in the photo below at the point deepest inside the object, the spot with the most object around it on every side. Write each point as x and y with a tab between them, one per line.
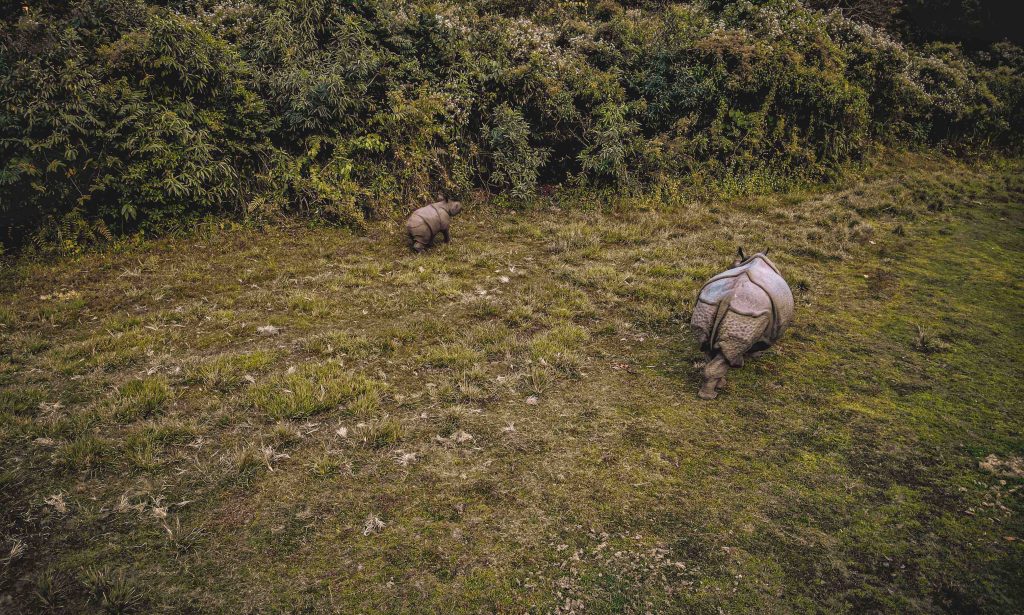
126	116
515	165
136	116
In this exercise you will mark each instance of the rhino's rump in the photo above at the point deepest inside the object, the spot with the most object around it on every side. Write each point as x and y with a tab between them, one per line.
419	229
745	323
743	309
425	223
761	272
703	321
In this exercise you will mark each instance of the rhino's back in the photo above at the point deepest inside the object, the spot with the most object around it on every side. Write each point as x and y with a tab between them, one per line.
769	280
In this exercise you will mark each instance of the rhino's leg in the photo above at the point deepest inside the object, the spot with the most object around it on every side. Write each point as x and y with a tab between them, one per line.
414	235
714	376
758	349
447	236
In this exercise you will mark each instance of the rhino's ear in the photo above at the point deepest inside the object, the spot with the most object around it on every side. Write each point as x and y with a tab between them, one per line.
740	257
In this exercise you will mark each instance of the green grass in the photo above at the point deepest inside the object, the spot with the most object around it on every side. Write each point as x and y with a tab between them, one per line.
143	398
314	389
229	371
509	423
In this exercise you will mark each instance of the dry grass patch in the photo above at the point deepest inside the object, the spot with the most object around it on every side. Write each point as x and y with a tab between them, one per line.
577	237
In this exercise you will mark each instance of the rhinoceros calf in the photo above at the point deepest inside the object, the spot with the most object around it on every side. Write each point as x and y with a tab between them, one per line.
426	222
740	313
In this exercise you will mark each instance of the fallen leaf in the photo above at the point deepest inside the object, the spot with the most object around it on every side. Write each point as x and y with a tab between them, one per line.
57	501
373	524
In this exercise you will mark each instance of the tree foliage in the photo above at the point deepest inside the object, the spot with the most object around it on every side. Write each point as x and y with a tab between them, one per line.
123	115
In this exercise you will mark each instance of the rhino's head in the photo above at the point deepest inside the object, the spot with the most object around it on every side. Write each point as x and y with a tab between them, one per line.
742	258
452	207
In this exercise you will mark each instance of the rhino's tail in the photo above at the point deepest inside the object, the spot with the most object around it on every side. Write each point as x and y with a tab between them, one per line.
723	309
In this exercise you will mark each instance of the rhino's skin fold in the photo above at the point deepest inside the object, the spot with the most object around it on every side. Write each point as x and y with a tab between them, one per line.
740	313
426	222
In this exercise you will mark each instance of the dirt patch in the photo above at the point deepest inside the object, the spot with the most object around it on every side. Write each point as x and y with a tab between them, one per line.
1012	467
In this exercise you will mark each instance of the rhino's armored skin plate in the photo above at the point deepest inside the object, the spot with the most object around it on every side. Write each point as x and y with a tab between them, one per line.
740	313
427	222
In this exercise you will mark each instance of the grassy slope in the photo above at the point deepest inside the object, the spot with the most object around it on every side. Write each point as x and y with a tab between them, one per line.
839	472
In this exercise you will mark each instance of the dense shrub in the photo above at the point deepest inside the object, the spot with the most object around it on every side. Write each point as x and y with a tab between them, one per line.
514	162
125	115
974	22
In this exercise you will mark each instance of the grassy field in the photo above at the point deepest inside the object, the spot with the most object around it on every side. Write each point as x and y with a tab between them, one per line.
305	420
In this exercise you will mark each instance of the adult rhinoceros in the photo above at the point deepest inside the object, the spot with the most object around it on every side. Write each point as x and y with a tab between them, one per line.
739	314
